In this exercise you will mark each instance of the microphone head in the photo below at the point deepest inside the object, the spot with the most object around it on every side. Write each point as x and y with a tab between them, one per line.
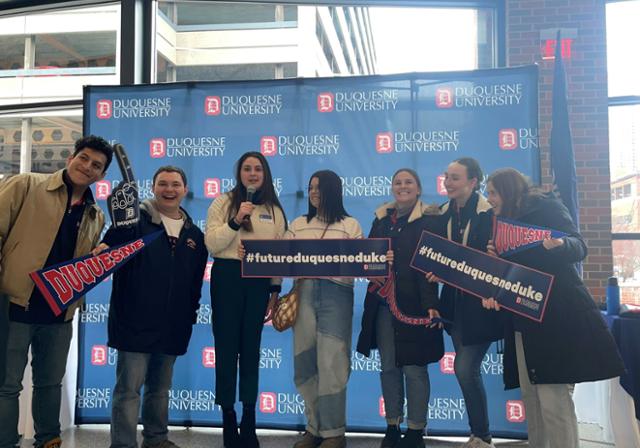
251	190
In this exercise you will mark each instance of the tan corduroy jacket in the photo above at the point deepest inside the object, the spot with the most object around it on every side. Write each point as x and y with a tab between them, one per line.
31	210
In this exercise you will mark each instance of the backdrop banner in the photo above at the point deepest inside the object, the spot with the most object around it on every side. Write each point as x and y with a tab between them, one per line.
363	128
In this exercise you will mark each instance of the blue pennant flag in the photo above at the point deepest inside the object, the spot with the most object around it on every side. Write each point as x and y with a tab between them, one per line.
510	236
65	283
563	165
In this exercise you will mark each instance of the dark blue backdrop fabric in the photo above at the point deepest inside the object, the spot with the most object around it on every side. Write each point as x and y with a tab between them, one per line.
364	128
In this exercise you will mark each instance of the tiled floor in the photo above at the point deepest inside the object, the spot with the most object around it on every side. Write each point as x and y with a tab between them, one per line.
90	436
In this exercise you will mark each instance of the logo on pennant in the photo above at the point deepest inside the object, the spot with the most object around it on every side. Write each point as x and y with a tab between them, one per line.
510	236
384	142
444	97
269	145
268	402
65	283
104	109
326	102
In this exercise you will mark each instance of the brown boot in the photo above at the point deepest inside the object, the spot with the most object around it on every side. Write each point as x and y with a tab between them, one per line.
334	442
308	441
53	443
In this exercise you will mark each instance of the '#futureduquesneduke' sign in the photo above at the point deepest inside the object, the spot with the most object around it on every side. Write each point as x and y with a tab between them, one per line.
316	258
519	289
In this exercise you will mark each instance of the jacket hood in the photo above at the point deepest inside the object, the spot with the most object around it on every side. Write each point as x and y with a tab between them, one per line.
150	207
419	210
483	205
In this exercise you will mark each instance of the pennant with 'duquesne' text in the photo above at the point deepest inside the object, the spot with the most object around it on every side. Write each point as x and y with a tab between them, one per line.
510	236
65	283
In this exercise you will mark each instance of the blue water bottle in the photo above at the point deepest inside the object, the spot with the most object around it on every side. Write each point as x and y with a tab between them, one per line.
613	297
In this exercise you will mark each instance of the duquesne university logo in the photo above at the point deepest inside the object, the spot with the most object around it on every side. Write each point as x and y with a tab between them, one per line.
326	102
515	411
157	148
268	403
99	355
209	357
207	272
381	409
444	97
103	189
384	142
508	139
442	190
212	187
212	105
104	109
447	363
269	145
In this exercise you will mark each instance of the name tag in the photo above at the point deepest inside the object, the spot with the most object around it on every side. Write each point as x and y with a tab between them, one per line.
265	218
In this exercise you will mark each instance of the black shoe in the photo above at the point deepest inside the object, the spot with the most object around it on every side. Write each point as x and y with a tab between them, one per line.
248	438
412	439
391	437
230	436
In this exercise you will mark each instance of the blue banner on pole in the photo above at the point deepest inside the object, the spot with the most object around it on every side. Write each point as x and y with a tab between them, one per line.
511	236
316	258
65	283
517	288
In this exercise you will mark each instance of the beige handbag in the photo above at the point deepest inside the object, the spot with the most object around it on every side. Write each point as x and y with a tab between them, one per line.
285	315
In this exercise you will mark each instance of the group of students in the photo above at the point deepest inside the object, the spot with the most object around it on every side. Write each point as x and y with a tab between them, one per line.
571	345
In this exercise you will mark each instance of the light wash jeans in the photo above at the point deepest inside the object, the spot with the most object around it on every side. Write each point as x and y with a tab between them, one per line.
393	378
467	367
322	348
49	349
549	408
134	370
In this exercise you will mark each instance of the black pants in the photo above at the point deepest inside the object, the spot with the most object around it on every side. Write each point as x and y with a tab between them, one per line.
238	306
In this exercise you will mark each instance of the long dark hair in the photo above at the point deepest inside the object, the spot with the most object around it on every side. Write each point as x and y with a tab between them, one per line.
266	195
473	169
514	189
330	186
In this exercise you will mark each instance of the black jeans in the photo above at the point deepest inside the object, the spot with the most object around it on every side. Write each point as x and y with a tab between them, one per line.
238	306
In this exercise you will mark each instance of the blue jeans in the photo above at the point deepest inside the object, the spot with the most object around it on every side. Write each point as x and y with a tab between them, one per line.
467	367
49	349
322	349
134	370
393	378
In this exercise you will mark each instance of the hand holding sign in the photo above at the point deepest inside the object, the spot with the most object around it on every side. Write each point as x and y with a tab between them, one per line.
124	207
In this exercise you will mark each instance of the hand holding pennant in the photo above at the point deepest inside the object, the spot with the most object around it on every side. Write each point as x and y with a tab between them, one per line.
124	205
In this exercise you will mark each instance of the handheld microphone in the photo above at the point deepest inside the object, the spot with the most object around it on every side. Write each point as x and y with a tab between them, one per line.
251	190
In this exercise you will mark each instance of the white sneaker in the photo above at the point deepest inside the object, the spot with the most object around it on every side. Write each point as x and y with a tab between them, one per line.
476	442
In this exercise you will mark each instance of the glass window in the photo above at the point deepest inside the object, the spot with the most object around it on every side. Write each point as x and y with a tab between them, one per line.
10	135
623	47
12	54
50	135
624	146
210	40
51	56
626	266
